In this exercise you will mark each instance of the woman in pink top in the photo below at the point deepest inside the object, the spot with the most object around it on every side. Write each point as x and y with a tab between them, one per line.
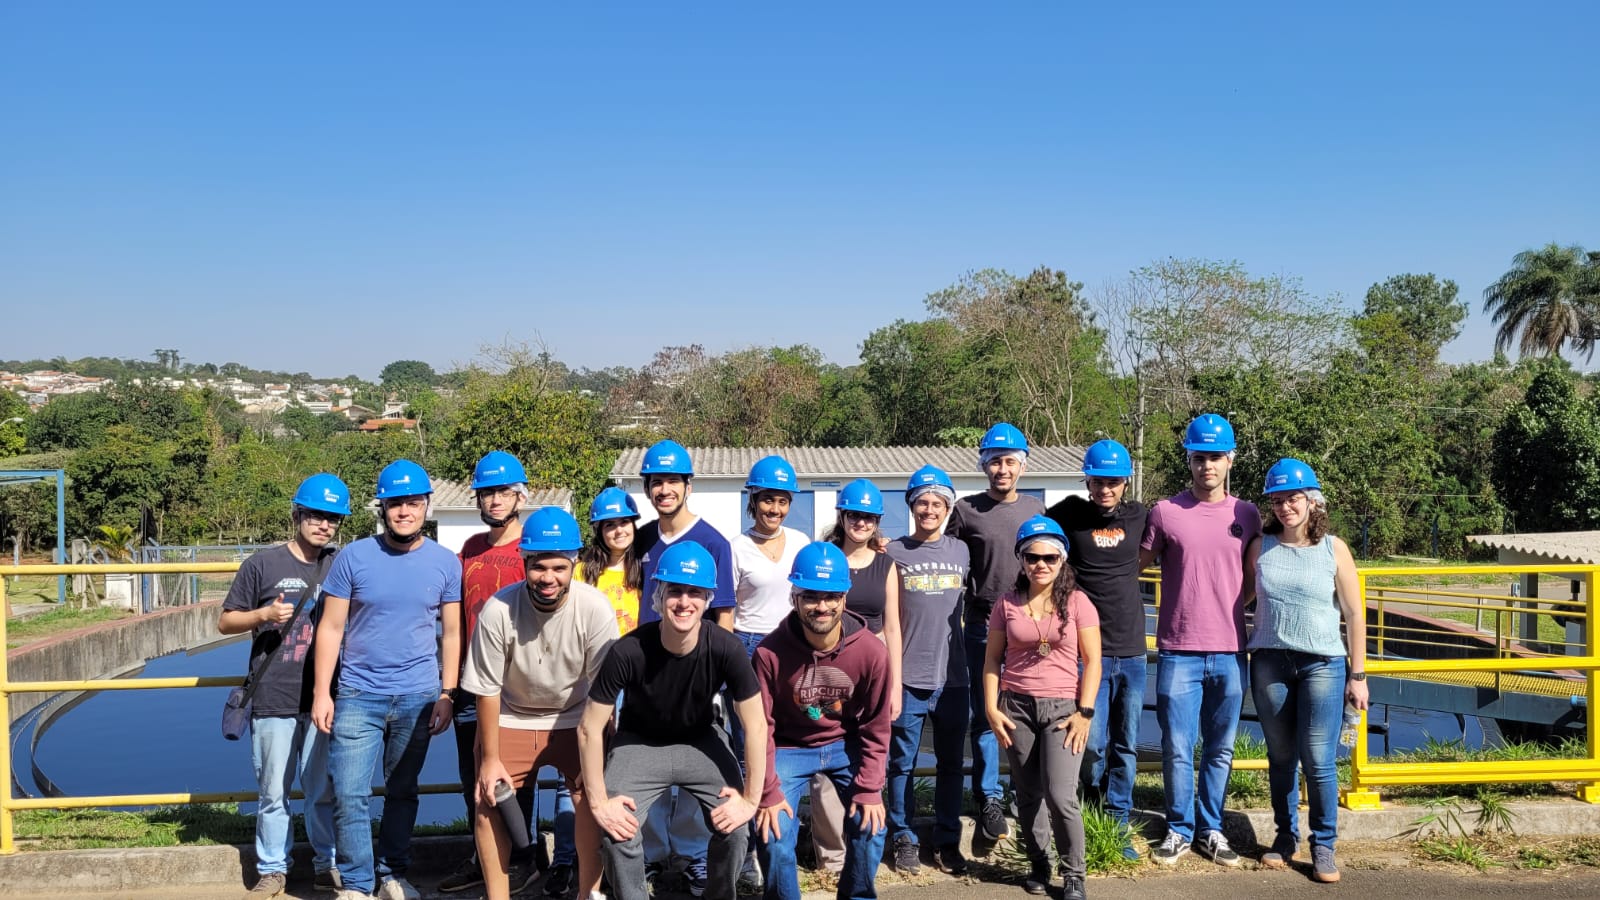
1039	635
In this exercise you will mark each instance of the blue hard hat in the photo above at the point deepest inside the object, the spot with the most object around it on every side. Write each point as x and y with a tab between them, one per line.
1290	475
771	473
497	469
666	458
1107	459
613	503
1039	527
1209	433
550	529
686	562
928	476
860	495
820	566
403	478
325	493
1004	436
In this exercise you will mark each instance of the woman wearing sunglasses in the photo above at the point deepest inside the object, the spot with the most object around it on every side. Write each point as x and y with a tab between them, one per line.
1040	634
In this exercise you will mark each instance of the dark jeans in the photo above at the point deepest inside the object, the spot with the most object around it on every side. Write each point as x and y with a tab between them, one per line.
863	850
985	749
1111	758
947	707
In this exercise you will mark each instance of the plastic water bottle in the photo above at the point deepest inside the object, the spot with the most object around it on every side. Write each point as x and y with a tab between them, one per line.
1352	721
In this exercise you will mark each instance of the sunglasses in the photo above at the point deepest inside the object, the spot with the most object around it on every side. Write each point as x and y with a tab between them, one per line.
1049	559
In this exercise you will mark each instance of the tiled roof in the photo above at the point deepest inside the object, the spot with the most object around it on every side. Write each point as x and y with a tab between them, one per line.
810	462
1557	546
458	495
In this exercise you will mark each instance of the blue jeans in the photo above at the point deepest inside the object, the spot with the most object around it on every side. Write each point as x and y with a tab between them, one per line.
1300	702
284	748
794	767
1111	758
1198	696
368	729
985	749
948	710
566	838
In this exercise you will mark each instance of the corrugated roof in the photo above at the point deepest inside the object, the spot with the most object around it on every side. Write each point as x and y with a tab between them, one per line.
811	462
1557	546
458	495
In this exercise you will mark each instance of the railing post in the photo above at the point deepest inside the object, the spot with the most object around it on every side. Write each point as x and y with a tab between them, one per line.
1589	791
8	843
1359	796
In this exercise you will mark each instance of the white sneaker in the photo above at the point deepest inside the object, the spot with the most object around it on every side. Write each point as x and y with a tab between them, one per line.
397	889
348	894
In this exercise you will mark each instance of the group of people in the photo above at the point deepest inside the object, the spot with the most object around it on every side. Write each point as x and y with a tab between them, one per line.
689	689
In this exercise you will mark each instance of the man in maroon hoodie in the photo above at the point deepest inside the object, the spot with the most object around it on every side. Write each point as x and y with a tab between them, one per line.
824	680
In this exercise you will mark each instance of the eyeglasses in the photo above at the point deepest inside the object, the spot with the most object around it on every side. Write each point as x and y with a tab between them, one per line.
317	515
1049	559
496	493
817	598
854	516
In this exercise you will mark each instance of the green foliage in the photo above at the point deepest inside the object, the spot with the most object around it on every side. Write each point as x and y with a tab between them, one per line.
405	376
71	422
922	378
1546	462
1408	318
13	435
1104	837
1547	300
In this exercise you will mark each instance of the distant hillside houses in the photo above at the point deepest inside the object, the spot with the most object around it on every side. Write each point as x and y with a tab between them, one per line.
38	387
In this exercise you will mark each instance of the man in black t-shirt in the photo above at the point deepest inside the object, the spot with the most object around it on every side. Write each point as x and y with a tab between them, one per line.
667	673
264	598
1103	533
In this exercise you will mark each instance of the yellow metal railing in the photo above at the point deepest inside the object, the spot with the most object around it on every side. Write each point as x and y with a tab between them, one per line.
1405	621
1509	655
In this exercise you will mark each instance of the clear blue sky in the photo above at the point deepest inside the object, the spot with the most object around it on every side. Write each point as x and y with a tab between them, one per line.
331	186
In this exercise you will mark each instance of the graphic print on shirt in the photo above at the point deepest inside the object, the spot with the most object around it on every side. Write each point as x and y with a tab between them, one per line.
821	691
296	642
1108	538
932	577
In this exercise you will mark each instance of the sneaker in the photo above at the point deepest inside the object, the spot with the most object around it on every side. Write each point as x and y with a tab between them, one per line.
351	895
948	859
268	885
1172	848
1322	865
522	874
1281	853
696	873
750	875
906	855
326	880
652	874
1038	880
992	820
467	875
397	888
1215	847
559	882
1073	888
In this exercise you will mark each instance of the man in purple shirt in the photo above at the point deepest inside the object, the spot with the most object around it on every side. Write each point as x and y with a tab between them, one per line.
1200	536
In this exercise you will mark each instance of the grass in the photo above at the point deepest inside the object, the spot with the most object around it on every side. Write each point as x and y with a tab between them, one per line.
1549	631
1428	580
1455	750
56	621
30	588
165	826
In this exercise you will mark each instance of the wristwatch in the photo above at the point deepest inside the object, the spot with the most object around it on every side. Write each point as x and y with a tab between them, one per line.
1358	676
1086	711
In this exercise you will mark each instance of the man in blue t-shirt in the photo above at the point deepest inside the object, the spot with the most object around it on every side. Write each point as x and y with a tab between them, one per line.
381	601
668	474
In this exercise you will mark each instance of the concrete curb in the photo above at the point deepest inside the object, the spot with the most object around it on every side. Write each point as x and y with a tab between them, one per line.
227	868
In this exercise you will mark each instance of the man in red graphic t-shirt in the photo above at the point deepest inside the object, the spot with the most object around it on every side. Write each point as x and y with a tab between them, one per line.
489	561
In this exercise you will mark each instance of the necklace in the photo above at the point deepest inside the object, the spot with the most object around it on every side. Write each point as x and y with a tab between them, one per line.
771	545
1038	625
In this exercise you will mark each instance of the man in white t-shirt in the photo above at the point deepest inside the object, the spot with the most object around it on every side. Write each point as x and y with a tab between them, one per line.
537	646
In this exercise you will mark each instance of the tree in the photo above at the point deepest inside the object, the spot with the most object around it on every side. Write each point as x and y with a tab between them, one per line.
1547	300
404	376
13	424
921	379
1547	457
1407	319
1036	342
71	422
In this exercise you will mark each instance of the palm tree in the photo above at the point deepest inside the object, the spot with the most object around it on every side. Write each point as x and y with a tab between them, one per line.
1550	296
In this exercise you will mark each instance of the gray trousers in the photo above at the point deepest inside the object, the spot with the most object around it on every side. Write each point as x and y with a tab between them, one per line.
1044	772
645	772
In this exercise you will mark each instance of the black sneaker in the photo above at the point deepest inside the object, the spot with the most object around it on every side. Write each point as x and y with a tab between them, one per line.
1073	889
1281	854
326	880
1038	880
465	876
949	860
906	855
992	819
559	882
1215	847
1171	849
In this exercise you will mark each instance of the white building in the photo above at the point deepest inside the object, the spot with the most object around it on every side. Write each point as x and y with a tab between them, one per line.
719	496
455	512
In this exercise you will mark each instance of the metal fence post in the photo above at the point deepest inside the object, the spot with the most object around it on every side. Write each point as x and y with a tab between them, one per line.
1589	791
8	843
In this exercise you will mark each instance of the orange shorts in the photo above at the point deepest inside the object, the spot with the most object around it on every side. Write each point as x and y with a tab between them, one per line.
524	753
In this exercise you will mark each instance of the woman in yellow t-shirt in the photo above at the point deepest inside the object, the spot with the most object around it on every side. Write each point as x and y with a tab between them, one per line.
609	561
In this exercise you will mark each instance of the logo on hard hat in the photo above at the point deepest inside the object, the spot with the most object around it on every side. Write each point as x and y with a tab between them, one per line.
666	459
689	565
330	496
551	532
403	479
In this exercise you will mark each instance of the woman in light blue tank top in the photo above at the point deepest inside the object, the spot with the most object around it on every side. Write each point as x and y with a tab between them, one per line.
1305	580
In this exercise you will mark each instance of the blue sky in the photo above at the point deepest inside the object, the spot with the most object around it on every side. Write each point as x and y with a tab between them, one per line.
328	187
